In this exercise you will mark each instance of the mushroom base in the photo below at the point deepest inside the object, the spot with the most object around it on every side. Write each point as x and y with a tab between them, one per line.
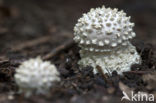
120	60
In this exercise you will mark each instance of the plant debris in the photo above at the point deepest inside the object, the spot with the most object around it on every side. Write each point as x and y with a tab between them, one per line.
54	42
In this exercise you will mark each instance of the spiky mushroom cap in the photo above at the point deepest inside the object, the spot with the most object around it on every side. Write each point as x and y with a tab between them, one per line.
36	75
103	29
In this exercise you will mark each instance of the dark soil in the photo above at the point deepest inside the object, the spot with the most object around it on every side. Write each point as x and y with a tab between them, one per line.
30	28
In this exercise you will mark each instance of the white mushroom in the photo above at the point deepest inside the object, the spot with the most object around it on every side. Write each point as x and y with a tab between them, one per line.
103	35
36	76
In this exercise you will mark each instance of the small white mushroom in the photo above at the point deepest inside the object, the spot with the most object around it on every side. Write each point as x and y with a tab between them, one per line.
110	33
36	76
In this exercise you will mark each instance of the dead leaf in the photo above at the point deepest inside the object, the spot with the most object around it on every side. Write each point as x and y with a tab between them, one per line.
150	79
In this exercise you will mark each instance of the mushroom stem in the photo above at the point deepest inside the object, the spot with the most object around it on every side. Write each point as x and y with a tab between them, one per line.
120	59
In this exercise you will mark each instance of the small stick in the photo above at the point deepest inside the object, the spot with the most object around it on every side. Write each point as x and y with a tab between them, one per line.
3	62
138	72
101	72
31	43
142	51
61	47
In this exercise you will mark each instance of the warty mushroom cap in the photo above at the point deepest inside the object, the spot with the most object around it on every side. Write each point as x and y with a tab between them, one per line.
37	76
103	29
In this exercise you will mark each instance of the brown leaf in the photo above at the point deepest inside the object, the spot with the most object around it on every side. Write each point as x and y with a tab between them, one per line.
125	88
150	79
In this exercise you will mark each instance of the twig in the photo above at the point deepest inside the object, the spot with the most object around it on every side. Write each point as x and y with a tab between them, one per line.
31	43
142	51
61	47
101	72
4	62
138	72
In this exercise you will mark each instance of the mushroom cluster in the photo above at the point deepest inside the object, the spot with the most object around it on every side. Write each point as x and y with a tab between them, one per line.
36	76
103	35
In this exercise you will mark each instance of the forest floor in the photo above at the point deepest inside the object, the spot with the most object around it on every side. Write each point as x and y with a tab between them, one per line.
30	28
